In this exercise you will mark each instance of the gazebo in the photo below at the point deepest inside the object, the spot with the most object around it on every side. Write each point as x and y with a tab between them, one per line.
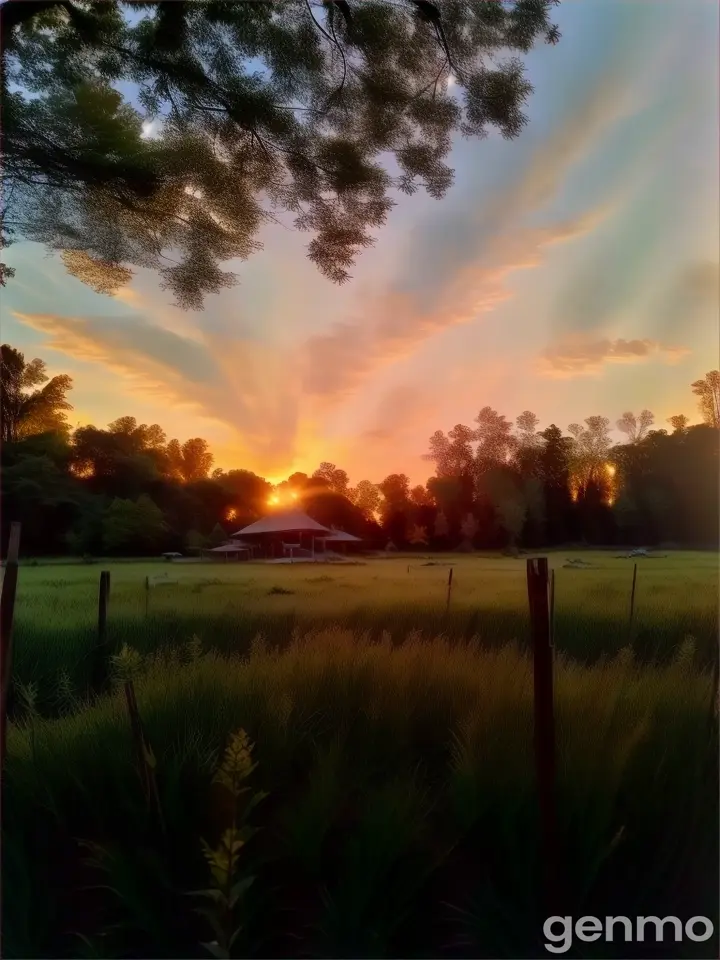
339	537
286	523
235	550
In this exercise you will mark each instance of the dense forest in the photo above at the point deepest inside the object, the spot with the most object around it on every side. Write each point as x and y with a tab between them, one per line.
129	490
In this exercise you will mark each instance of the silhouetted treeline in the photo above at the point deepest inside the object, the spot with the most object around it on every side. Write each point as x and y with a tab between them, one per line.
128	490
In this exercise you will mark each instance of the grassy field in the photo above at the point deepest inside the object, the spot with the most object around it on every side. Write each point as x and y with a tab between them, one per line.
227	604
401	817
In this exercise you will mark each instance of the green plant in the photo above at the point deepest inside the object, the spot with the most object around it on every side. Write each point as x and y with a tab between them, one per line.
126	665
193	649
228	885
65	695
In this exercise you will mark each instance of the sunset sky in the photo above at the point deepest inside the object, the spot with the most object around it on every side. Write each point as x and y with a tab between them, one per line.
571	272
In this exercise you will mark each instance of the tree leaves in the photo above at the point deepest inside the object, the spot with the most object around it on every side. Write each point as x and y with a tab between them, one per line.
290	108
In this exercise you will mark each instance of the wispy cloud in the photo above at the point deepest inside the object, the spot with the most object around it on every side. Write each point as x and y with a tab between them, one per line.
241	384
576	357
275	401
454	278
399	410
337	363
692	298
261	392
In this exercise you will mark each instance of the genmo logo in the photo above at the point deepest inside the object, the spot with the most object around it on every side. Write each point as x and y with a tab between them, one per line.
559	931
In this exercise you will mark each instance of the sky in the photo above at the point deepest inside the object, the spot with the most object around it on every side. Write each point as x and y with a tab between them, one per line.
573	271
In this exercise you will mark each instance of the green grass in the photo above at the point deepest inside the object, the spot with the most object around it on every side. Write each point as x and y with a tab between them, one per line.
394	741
401	816
227	604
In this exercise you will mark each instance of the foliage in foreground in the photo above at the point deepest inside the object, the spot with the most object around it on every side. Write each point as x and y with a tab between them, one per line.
256	110
401	812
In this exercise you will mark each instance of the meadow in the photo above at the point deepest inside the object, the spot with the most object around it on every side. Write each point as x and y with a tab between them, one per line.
396	812
226	605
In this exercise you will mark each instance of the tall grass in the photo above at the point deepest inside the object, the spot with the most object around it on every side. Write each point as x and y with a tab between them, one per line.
56	619
400	818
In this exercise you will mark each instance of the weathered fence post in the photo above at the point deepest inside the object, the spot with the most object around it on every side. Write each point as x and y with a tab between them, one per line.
552	608
449	591
101	646
632	601
147	596
7	613
544	724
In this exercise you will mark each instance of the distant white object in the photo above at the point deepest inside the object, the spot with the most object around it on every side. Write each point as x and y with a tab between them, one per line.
640	552
170	555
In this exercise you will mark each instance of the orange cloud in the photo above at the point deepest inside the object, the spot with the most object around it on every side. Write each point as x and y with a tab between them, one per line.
275	401
581	357
241	384
337	363
454	278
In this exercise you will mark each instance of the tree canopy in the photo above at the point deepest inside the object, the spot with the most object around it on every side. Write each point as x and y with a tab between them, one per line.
127	488
30	401
143	133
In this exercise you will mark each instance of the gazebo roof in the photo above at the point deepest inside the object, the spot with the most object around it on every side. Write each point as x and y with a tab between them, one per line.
338	536
289	521
229	548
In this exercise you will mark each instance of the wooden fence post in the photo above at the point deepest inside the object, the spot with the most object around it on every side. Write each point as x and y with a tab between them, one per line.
632	601
544	721
552	608
101	646
147	596
7	614
449	591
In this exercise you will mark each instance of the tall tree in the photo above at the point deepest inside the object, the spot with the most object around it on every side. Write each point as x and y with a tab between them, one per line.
190	461
335	478
441	528
555	468
395	489
529	444
708	390
218	535
292	106
129	526
636	428
366	497
30	401
496	442
468	529
679	422
196	459
590	451
419	496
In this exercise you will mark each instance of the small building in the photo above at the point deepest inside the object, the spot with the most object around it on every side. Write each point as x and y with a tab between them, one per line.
285	534
338	539
233	550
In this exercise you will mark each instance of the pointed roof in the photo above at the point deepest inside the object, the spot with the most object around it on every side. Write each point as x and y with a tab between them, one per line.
236	547
284	521
339	536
